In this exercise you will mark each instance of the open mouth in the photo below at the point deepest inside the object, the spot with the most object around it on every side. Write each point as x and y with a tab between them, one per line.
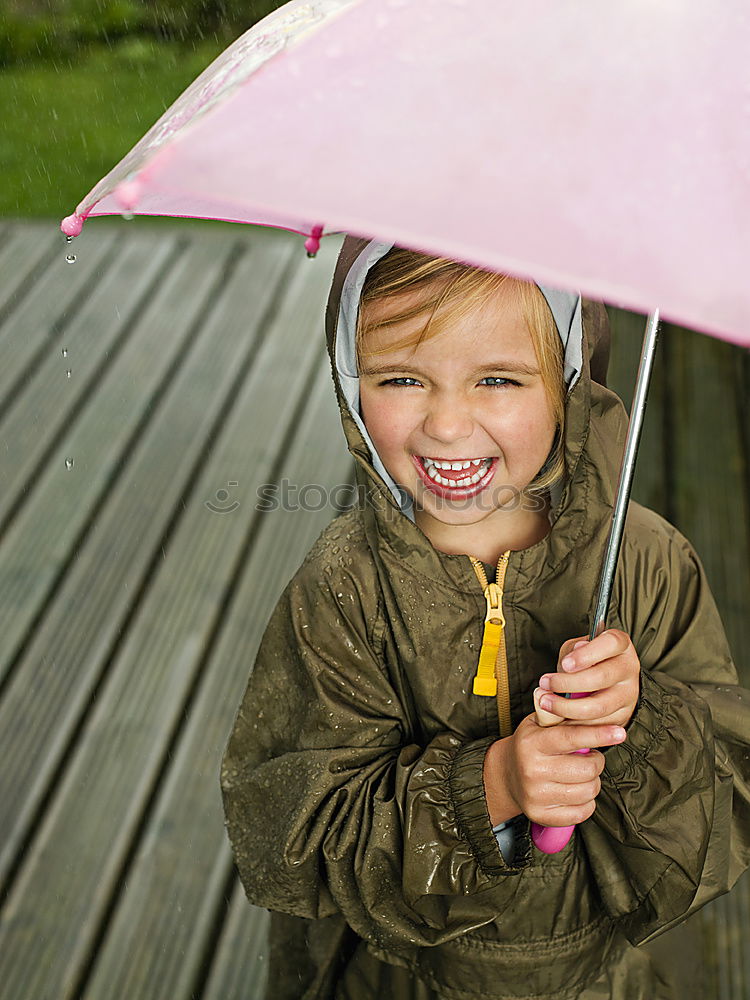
455	478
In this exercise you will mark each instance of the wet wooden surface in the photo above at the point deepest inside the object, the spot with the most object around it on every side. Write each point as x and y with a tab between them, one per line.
150	395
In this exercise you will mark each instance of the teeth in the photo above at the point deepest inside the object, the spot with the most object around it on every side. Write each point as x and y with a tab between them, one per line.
431	467
454	466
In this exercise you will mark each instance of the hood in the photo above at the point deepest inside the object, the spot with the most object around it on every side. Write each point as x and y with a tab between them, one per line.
584	330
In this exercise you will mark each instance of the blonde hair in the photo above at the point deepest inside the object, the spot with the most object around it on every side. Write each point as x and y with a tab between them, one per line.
454	288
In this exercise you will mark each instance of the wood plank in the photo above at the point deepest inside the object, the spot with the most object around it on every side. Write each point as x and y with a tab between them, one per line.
47	299
24	251
725	923
711	504
58	503
157	952
77	858
240	967
742	394
56	679
50	402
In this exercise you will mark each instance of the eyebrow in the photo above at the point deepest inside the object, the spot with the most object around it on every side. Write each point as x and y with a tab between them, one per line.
512	367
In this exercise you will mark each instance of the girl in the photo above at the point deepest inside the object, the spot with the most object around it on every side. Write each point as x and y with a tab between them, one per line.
386	761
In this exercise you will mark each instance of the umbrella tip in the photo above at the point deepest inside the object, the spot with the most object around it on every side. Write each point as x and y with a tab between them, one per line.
72	225
312	243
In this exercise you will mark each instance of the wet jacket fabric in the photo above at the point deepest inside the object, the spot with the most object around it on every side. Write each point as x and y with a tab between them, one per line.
352	780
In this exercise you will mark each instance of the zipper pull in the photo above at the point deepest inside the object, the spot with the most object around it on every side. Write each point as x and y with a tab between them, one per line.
494	596
485	682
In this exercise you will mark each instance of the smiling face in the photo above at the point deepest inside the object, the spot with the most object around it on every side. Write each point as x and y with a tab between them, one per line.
462	421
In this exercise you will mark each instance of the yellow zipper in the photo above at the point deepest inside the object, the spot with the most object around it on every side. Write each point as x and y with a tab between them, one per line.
491	678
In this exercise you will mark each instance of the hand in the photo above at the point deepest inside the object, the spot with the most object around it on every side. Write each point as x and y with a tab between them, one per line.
607	669
537	772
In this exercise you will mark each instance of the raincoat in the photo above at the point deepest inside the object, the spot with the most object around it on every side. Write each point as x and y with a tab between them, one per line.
352	780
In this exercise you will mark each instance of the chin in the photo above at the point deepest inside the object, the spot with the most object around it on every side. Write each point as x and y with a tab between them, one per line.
453	512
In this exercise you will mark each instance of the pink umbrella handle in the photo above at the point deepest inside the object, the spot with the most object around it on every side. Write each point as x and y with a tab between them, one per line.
551	839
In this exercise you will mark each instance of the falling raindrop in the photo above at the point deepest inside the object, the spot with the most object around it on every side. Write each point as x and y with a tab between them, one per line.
68	239
64	352
69	463
68	373
70	258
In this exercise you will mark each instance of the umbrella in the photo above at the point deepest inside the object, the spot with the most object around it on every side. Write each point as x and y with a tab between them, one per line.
491	132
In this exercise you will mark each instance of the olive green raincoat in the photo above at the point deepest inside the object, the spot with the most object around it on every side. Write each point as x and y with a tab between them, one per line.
352	781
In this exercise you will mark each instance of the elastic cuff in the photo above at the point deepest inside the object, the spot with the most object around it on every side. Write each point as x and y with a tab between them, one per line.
466	782
645	729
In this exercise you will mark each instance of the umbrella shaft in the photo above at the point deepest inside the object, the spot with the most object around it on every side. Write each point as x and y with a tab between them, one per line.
627	470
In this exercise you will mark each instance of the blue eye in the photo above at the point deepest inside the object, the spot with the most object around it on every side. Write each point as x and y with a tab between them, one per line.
404	380
496	381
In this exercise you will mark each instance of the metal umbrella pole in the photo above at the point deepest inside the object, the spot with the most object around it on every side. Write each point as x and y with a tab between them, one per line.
627	469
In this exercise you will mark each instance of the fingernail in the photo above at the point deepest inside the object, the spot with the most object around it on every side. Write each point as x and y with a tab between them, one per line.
545	682
567	663
619	734
546	702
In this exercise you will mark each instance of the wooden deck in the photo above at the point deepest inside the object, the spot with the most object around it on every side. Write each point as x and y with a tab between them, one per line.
147	393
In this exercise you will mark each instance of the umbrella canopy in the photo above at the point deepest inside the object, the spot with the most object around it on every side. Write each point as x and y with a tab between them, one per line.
604	147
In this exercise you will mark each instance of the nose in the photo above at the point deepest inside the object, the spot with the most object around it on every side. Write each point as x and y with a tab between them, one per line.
448	419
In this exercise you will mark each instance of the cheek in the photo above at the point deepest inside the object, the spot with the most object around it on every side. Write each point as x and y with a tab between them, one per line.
386	421
529	425
540	422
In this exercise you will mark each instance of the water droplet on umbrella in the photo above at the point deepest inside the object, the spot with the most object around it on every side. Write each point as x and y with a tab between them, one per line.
69	462
70	259
127	216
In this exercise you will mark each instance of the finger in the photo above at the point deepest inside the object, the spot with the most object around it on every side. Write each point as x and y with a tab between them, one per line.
595	678
573	768
569	738
598	705
562	815
554	794
608	644
570	644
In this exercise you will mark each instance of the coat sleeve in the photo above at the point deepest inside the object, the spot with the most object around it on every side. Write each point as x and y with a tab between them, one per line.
672	826
332	807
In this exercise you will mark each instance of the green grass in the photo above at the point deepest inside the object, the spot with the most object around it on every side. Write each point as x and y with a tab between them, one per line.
65	126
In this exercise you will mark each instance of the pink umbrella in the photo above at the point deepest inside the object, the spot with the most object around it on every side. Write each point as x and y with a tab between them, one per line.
599	146
604	147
